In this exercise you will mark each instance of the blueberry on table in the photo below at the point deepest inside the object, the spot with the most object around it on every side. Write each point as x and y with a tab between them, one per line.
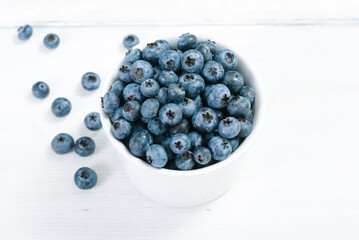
202	155
139	143
205	120
93	121
234	81
185	161
133	55
170	60
40	90
84	146
130	40
192	61
220	148
121	129
90	81
187	41
24	32
110	102
85	178
61	107
156	156
152	52
171	114
229	127
140	71
62	143
227	58
213	72
238	106
248	93
180	143
51	41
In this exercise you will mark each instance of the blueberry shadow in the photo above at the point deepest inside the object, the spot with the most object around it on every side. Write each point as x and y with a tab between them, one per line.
45	50
17	41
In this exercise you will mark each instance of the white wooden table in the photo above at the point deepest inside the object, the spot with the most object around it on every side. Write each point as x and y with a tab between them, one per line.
300	180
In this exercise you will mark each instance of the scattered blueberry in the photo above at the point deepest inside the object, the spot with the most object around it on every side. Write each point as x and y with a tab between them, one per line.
227	58
90	81
187	41
229	127
192	61
85	178
110	102
171	114
62	143
40	90
185	161
130	40
84	146
202	155
93	121
121	129
139	143
156	156
51	41
24	32
61	107
220	148
140	71
149	108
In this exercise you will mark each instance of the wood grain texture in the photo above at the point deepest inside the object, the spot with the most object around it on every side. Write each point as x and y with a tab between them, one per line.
299	181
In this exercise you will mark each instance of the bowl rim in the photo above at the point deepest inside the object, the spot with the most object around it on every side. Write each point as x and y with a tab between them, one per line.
258	120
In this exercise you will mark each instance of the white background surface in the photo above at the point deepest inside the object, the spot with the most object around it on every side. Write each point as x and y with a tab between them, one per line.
299	181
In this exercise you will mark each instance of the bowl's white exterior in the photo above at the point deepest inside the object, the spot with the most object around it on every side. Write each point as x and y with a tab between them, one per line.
185	188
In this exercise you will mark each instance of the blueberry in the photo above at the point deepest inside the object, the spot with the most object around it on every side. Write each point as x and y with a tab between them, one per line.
248	93
227	58
156	127
192	61
209	136
219	96
117	88
156	72
62	143
24	32
139	143
110	102
85	178
170	60
133	55
121	129
93	121
211	44
40	90
185	161
229	127
235	143
248	115
149	88
220	148
116	115
193	84
124	73
180	143
205	120
189	106
205	51
149	108
213	72
51	40
246	128
162	96
84	146
140	71
156	156
90	81
171	114
132	92
234	81
152	52
198	101
61	107
207	90
166	44
187	41
131	111
238	106
202	155
176	92
182	127
167	77
130	40
196	139
166	145
144	120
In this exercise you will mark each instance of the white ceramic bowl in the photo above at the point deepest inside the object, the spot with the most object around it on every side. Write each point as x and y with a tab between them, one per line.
185	188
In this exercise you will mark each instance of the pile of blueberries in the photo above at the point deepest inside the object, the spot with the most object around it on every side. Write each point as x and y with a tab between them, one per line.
85	178
183	108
